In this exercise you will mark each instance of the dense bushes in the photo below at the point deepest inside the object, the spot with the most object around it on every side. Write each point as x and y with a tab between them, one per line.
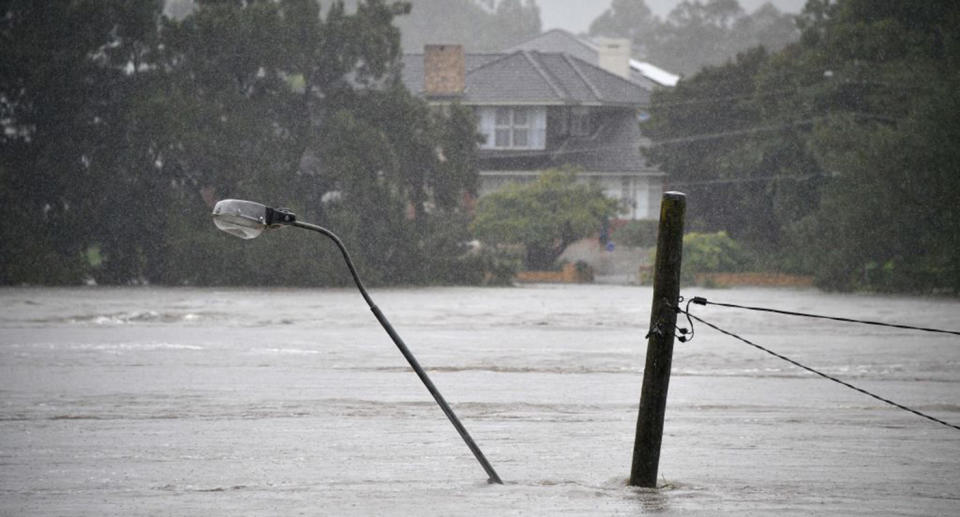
712	253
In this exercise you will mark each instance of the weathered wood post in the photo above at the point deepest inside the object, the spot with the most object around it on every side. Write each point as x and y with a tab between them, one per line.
663	321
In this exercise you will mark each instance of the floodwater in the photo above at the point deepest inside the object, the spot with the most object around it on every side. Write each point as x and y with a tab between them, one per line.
154	401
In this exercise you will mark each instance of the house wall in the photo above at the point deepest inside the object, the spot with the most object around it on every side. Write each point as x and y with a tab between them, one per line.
639	194
558	126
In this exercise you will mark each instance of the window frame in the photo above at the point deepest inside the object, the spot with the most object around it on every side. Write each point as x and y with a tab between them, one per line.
513	128
506	128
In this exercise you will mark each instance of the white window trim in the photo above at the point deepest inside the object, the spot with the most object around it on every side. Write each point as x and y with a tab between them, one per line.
534	126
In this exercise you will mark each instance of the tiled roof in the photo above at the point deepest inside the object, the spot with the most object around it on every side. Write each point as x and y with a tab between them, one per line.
559	40
530	77
412	74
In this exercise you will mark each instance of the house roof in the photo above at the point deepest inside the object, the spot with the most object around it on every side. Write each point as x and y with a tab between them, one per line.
532	77
412	73
613	148
559	40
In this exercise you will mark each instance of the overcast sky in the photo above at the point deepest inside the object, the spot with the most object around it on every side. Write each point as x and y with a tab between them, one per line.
576	15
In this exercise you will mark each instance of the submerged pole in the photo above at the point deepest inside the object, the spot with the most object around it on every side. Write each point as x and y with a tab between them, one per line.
407	354
663	322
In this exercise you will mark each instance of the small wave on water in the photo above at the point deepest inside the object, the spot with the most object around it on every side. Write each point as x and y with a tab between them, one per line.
132	317
199	489
133	346
927	373
283	351
109	347
648	500
500	369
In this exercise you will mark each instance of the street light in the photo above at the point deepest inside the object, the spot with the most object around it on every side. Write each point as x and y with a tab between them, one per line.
247	220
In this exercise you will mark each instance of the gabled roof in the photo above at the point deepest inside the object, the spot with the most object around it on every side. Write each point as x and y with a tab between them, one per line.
530	77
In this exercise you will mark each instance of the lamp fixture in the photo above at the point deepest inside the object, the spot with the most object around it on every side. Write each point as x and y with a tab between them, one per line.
248	219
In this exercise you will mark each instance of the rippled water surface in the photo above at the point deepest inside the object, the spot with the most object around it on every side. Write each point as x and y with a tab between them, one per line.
148	401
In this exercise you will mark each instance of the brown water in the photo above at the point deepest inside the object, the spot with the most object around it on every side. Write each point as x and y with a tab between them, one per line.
148	401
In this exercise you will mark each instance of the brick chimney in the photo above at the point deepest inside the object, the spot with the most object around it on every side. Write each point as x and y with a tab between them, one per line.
443	70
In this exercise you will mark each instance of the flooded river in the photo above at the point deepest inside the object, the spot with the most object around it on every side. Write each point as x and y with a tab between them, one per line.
151	401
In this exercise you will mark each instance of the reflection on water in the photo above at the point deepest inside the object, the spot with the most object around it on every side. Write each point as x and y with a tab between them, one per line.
194	401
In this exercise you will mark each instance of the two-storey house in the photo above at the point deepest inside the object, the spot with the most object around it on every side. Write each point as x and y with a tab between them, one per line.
543	110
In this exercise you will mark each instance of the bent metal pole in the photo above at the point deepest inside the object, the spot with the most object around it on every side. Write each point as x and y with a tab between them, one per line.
407	354
663	322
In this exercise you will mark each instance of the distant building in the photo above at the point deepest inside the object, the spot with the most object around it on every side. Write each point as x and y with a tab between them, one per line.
547	109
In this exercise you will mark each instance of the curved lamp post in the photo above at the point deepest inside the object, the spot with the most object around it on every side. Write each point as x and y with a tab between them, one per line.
247	220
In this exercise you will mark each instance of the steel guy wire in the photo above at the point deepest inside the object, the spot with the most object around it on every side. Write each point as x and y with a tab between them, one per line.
698	301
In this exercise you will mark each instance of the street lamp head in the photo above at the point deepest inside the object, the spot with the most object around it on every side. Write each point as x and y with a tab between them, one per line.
246	219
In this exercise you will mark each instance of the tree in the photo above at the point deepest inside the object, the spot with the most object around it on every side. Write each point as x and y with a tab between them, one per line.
71	71
699	34
464	22
518	22
630	19
310	110
695	34
747	170
832	156
544	216
121	127
883	78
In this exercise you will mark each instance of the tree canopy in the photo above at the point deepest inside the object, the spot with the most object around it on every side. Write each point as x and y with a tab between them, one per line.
545	216
122	126
834	156
695	34
466	23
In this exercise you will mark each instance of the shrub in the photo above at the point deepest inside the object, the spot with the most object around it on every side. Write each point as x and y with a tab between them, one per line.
636	233
711	253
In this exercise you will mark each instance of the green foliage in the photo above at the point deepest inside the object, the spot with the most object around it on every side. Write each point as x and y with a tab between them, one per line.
637	233
627	19
71	72
545	216
889	220
121	127
466	23
695	34
711	253
833	157
745	169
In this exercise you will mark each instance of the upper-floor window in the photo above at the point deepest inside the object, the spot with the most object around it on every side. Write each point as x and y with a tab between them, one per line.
513	127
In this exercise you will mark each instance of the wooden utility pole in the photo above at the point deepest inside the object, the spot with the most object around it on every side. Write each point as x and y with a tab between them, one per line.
663	323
